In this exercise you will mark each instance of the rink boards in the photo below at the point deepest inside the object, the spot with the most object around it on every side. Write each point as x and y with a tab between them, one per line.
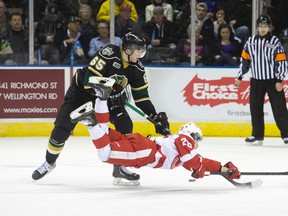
30	98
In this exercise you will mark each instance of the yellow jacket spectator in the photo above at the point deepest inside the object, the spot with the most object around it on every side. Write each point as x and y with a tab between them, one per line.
104	12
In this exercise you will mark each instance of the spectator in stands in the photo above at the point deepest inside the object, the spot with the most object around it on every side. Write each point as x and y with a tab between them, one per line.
73	6
21	7
103	39
204	23
40	7
72	41
104	12
219	19
47	34
168	10
159	33
227	50
14	43
212	6
88	28
183	50
140	6
124	23
184	13
239	15
3	18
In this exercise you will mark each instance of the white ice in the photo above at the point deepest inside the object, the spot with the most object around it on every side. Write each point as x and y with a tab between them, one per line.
81	185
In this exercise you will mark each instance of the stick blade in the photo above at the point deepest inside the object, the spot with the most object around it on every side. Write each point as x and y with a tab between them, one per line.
252	184
256	183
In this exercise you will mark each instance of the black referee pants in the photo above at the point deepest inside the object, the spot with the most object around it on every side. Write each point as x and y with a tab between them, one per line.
258	90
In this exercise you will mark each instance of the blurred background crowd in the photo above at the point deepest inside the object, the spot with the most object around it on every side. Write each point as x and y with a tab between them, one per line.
70	32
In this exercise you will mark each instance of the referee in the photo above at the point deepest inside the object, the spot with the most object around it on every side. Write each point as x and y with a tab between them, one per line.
264	55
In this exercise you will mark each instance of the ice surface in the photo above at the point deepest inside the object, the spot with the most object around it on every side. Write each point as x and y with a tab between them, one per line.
81	185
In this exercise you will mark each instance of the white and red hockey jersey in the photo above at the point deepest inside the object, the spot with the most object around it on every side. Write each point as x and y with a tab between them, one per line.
135	150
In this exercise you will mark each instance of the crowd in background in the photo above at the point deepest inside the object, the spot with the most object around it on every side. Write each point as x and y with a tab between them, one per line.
70	32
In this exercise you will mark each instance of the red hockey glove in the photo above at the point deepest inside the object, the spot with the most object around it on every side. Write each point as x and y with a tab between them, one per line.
200	173
233	172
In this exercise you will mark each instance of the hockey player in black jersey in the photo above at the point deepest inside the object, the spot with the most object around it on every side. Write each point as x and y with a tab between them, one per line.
122	64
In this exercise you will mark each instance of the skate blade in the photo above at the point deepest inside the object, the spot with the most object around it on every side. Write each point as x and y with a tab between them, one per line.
80	110
100	81
256	143
124	182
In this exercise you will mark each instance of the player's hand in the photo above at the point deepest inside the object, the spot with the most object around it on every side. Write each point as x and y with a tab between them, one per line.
199	173
162	126
279	86
120	79
232	170
238	83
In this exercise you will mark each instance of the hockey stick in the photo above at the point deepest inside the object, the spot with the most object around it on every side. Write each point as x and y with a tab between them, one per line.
251	184
253	173
140	113
167	130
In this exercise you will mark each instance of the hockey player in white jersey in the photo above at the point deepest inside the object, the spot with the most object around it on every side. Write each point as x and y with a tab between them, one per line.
135	150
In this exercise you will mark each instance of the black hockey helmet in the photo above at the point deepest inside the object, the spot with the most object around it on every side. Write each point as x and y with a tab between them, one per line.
264	19
133	41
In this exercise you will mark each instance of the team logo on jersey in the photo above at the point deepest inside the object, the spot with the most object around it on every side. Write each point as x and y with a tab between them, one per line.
176	161
116	65
107	51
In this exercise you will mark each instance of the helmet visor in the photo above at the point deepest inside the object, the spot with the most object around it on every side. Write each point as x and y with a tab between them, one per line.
137	49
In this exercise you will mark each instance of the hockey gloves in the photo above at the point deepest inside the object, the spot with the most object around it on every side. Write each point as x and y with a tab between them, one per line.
229	168
118	96
120	80
162	126
199	173
232	172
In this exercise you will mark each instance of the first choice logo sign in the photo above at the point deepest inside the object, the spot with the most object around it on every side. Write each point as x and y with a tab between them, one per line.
222	91
212	92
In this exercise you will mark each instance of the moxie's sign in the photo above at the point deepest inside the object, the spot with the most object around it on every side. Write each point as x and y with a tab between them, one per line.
31	93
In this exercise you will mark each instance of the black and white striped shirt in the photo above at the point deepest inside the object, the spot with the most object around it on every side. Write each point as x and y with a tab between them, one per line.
265	57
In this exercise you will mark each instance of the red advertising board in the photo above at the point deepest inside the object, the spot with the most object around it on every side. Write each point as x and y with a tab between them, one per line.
31	93
214	92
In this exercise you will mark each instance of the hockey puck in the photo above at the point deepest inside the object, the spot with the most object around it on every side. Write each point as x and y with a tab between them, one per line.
192	180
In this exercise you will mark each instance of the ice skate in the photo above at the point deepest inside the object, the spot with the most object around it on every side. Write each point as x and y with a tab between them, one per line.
253	141
84	114
285	140
44	169
102	86
124	177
